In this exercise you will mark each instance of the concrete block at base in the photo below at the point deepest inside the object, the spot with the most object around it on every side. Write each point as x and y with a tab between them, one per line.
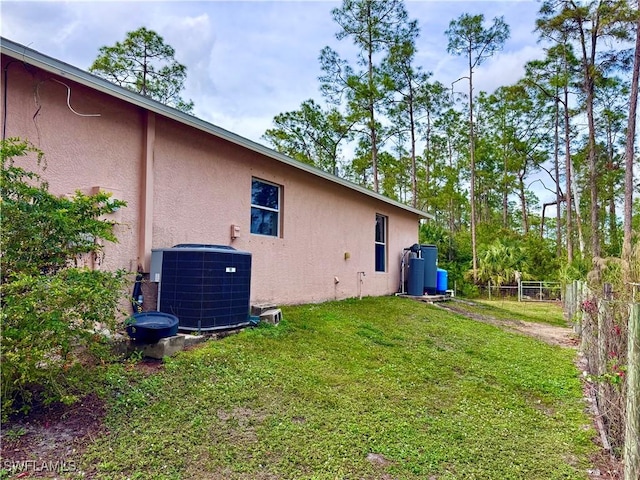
165	347
190	340
259	309
122	346
271	316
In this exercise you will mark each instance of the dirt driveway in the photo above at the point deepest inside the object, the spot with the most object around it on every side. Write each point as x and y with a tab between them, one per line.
551	334
606	467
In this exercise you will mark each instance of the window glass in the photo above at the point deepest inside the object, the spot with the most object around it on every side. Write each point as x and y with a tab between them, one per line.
264	194
264	222
381	243
380	229
380	258
265	208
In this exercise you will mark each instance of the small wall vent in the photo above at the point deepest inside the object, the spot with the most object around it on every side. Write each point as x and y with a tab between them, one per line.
206	286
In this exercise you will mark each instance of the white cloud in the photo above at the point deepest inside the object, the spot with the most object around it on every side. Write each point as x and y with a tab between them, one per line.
248	61
506	68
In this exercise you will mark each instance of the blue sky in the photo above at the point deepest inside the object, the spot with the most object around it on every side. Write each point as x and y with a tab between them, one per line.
248	61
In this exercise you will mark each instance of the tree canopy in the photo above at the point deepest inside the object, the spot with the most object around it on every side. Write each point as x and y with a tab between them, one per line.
482	162
145	64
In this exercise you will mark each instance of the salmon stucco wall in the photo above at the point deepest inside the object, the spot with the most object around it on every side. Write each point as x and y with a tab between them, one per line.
203	187
80	152
185	185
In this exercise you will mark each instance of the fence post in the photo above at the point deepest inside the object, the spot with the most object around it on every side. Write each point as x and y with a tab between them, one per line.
586	328
489	288
579	313
601	366
632	431
572	304
519	290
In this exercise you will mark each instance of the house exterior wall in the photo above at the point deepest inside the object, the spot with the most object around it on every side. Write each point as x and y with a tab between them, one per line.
184	185
81	153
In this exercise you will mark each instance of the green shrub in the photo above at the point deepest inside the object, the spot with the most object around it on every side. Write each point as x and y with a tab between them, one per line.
51	309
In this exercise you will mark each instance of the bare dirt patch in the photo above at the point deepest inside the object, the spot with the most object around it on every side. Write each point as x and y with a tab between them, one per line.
378	459
49	442
551	334
148	366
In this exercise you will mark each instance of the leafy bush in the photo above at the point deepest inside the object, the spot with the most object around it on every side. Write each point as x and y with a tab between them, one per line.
501	262
542	258
51	309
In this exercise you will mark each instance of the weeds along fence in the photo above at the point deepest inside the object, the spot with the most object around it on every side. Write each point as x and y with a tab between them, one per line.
539	291
525	291
493	291
609	333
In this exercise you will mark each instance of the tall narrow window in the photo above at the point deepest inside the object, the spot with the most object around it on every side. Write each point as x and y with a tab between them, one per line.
381	243
265	208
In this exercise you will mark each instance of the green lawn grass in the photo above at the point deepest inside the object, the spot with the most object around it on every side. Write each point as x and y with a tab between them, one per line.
432	394
540	312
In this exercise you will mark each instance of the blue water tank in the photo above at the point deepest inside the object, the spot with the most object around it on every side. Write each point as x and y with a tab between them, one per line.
442	282
430	255
415	283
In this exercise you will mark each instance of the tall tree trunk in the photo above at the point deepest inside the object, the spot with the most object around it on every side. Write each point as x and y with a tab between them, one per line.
372	118
505	196
468	36
472	193
628	156
372	129
588	65
523	203
611	192
374	150
581	242
556	168
427	154
613	222
414	174
505	193
568	175
593	174
454	209
144	72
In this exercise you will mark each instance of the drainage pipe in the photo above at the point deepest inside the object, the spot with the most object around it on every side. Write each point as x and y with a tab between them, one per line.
136	297
145	225
360	281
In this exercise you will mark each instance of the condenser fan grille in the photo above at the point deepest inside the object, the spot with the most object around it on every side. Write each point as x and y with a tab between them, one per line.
206	287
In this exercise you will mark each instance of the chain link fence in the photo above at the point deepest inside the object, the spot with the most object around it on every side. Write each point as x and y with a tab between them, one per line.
524	291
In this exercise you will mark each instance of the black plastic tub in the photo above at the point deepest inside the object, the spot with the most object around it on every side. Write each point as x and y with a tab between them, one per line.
149	327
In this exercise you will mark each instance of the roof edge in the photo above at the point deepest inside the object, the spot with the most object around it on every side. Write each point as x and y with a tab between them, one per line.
58	67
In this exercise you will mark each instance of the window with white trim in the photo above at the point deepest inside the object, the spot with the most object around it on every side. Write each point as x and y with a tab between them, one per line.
381	243
265	208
